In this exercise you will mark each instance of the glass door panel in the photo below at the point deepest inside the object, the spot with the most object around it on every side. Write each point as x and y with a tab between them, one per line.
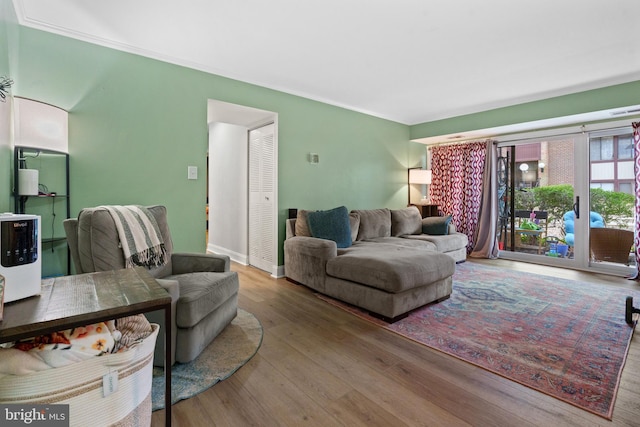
537	192
612	189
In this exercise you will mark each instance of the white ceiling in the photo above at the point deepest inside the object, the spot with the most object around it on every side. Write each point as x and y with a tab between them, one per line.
410	61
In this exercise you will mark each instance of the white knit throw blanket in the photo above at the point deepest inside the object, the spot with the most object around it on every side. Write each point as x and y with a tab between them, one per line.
140	236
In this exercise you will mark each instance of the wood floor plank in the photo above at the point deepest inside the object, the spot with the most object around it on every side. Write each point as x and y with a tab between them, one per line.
321	366
188	412
369	381
234	404
354	409
284	399
317	383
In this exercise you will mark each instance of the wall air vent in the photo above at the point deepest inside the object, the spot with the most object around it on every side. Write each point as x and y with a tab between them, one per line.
625	112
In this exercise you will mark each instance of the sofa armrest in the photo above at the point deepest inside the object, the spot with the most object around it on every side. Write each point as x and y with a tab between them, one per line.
290	228
312	246
305	260
193	262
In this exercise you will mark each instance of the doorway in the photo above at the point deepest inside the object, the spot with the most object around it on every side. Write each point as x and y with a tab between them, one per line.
228	189
554	192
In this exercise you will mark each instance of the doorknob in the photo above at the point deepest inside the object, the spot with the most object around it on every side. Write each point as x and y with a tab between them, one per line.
576	207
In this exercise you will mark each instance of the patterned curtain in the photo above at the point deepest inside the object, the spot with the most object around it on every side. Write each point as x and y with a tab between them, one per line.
457	184
636	145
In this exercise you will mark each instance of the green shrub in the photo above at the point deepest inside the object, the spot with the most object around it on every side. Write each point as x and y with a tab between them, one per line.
525	200
554	199
615	207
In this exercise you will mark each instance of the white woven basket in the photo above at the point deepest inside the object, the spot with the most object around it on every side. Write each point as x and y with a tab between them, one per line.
80	386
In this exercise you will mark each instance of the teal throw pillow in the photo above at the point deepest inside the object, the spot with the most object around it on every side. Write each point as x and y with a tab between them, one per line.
436	225
331	225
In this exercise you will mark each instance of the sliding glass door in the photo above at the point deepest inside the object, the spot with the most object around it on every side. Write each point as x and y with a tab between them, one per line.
539	190
554	191
612	190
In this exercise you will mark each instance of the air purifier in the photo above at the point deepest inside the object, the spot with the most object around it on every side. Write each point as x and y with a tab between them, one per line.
28	182
20	263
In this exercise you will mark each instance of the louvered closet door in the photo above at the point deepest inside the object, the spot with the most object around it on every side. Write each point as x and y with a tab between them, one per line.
261	198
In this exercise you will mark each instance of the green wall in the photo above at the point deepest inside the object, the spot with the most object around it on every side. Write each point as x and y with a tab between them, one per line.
135	124
7	27
622	95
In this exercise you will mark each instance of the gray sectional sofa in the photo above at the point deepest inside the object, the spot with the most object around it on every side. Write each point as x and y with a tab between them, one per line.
389	267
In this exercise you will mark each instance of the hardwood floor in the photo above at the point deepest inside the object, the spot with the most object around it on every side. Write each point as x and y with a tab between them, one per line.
320	366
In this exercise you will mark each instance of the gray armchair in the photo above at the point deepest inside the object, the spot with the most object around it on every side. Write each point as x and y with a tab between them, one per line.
203	290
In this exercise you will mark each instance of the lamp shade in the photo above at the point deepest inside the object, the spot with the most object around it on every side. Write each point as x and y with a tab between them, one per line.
40	125
419	176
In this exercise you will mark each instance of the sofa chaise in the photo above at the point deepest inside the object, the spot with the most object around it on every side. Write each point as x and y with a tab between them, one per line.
392	262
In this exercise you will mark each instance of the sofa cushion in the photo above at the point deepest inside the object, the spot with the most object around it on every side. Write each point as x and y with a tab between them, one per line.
406	221
332	224
401	241
201	294
436	225
444	243
354	222
374	223
392	268
302	226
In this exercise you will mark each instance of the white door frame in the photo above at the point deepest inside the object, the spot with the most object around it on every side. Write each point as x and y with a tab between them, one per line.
250	118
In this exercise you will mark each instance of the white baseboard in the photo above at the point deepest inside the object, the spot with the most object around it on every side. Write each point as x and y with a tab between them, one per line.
277	271
235	256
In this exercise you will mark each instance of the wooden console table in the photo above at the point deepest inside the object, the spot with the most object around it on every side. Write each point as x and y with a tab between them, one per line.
70	301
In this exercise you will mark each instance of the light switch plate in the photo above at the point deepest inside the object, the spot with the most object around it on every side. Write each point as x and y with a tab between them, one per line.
192	172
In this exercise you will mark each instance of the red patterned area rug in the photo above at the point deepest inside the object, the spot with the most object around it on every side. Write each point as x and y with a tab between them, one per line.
564	338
